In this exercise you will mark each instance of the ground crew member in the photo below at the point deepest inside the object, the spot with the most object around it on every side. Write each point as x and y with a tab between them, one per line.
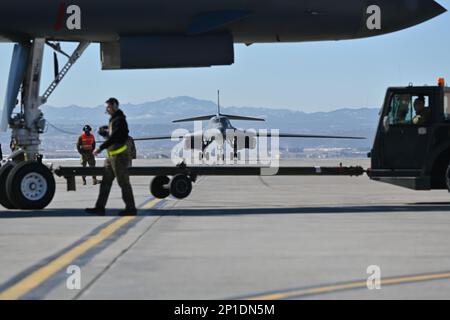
117	162
86	147
131	146
13	145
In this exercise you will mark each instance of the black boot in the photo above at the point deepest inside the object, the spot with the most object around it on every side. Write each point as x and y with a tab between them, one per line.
96	211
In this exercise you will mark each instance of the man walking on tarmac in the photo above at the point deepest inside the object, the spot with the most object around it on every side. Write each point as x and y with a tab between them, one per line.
117	162
86	147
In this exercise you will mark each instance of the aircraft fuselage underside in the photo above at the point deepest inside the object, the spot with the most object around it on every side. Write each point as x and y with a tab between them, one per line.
249	21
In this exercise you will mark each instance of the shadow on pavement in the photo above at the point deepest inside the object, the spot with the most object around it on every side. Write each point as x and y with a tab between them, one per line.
50	213
407	208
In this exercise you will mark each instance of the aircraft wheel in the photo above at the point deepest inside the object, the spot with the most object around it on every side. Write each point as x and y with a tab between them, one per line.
31	186
4	172
180	186
160	187
447	178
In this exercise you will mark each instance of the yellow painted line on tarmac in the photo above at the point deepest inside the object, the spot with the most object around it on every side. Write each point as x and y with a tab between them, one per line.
351	285
39	276
151	203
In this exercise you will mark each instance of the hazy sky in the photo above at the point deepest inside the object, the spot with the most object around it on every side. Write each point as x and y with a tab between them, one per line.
304	76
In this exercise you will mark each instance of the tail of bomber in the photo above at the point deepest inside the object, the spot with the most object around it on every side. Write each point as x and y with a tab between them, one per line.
219	114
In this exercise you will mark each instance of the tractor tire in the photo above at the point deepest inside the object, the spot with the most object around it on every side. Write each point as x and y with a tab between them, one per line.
159	187
180	186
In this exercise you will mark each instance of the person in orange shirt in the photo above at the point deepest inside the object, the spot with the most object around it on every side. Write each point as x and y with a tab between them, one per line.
86	147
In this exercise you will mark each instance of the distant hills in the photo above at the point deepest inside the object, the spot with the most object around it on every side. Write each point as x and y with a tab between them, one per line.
155	117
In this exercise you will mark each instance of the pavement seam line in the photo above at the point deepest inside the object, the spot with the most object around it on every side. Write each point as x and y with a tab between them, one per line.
109	266
42	274
39	276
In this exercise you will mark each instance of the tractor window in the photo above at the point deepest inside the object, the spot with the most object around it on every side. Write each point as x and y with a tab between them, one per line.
409	109
447	106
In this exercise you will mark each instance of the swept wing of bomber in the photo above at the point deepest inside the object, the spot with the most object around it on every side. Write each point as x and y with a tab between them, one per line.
222	132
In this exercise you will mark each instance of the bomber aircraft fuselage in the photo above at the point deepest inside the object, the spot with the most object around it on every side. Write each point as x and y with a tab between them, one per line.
248	21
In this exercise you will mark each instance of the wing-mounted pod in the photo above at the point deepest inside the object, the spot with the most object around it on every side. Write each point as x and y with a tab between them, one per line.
168	51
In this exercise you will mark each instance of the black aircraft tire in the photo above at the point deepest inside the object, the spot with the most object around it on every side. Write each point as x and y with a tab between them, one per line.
31	186
4	199
447	178
158	189
180	186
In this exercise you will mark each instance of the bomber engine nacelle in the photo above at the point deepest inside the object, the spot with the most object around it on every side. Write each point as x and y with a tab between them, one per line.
168	51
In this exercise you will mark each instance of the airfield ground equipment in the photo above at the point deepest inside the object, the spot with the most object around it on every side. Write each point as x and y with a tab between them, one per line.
178	180
409	150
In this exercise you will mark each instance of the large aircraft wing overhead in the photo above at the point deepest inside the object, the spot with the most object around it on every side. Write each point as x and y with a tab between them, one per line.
201	118
308	136
231	117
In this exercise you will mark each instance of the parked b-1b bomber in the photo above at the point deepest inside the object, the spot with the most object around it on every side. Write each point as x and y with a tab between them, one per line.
222	132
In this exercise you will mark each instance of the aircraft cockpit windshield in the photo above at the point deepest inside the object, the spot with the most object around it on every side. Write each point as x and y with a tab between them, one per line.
222	121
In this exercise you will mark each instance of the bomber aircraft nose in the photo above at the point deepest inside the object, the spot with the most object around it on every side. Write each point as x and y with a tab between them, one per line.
394	15
418	11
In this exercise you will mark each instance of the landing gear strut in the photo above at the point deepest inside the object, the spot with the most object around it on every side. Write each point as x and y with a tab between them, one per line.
25	182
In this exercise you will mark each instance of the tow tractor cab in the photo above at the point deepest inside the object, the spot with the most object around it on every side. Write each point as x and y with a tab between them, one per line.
412	144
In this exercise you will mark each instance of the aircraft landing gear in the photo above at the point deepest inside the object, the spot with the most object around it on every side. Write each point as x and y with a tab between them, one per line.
30	186
25	182
4	172
180	186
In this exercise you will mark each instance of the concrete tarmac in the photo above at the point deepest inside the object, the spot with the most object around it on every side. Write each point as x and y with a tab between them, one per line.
234	238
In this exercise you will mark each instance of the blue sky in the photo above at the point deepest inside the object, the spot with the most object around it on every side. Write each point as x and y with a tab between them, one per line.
304	76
